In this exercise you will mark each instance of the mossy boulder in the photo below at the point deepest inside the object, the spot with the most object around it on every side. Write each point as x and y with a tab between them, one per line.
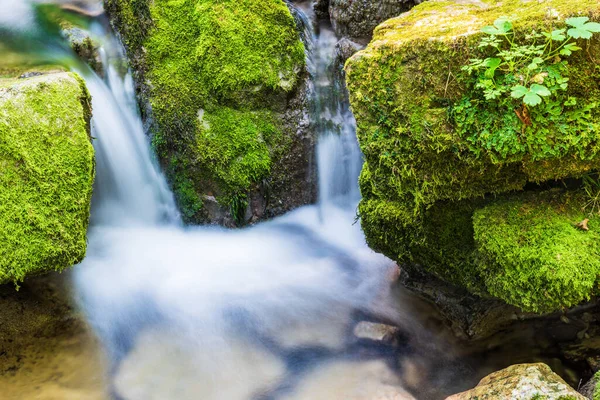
46	174
521	382
436	184
223	87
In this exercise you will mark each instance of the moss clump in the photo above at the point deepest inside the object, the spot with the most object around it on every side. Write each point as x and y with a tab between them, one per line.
237	144
531	254
413	109
597	388
228	65
46	174
436	153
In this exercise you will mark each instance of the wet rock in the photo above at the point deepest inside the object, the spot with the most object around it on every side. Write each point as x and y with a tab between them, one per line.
591	389
344	49
47	172
521	382
86	48
30	74
47	351
253	151
375	331
489	247
321	8
470	316
356	19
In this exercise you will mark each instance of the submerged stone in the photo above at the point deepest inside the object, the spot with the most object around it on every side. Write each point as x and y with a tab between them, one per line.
521	382
428	183
46	174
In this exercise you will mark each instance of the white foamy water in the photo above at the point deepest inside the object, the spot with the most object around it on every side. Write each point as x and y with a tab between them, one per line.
206	313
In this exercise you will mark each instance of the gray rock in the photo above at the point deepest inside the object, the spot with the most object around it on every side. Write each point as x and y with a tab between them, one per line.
30	74
375	331
356	19
321	8
86	48
521	381
591	389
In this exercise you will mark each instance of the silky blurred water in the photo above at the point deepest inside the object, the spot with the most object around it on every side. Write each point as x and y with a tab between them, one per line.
265	312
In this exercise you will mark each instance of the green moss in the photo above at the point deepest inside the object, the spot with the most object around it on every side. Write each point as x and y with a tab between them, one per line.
532	256
224	64
430	164
46	174
410	105
236	145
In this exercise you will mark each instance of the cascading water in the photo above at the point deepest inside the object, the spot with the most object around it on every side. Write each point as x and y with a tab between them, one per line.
261	313
268	312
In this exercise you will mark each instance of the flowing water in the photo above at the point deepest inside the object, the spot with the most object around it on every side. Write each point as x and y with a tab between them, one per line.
266	312
229	314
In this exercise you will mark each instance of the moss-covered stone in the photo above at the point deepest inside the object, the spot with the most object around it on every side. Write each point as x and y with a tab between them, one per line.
218	76
431	165
404	84
46	174
532	255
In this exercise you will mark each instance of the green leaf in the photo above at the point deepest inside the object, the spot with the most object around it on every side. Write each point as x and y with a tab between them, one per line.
519	91
572	47
565	52
532	99
501	26
581	28
492	64
540	90
556	35
577	22
490	30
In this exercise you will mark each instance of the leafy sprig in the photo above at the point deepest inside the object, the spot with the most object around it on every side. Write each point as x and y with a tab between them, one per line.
529	72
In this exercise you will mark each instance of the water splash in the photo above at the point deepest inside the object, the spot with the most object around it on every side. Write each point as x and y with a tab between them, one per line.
260	313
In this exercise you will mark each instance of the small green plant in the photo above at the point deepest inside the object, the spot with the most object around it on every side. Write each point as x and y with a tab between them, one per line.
522	98
238	203
530	71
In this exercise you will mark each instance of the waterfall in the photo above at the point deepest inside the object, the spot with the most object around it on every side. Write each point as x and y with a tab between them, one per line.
202	312
339	158
130	186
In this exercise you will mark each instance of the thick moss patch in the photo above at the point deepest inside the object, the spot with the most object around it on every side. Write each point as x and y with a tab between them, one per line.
409	99
533	256
217	73
436	152
46	174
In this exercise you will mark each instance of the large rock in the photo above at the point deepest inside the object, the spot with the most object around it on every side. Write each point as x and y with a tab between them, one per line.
436	194
521	382
223	87
46	174
356	19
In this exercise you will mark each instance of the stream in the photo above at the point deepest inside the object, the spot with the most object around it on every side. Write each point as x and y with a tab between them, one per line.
268	312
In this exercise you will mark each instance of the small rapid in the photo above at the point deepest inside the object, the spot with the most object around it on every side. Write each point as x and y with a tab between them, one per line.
268	312
204	312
